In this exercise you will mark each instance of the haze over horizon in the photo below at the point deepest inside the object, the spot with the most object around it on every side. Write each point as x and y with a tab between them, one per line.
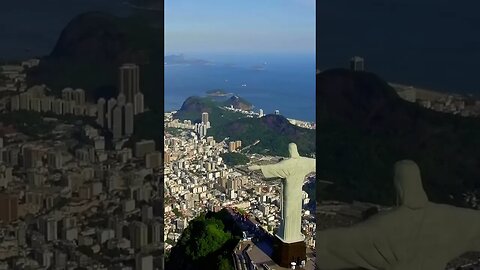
206	27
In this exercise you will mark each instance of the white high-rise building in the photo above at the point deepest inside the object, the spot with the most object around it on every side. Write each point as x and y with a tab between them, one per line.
129	81
121	99
155	232
15	103
35	105
110	105
129	119
138	234
47	104
260	113
101	112
68	107
204	118
147	213
67	94
57	106
55	159
139	103
117	116
79	96
144	262
48	227
25	101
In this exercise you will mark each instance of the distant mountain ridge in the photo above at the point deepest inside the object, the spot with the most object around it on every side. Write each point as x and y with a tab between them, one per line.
365	128
90	50
180	59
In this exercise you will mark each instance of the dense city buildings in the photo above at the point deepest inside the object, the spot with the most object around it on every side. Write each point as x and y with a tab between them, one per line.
70	200
35	99
197	179
457	104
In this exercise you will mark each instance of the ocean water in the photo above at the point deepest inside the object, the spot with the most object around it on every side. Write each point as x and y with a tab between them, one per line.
428	43
30	28
287	82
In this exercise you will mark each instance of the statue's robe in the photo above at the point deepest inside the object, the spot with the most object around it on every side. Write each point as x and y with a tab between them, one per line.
293	172
417	235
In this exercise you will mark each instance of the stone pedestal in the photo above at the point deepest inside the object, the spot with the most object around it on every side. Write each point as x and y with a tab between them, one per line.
285	253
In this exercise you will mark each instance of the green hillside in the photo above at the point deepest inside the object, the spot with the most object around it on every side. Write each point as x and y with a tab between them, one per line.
273	132
207	243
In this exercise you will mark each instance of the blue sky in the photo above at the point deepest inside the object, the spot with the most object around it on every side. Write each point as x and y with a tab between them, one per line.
239	26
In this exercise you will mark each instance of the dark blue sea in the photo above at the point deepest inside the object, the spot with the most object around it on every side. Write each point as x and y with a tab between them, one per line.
429	43
273	81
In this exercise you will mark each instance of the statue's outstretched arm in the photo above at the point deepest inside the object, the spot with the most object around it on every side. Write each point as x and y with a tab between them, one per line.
280	169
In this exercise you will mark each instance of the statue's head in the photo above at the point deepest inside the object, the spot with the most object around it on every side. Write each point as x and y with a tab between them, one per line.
292	149
408	183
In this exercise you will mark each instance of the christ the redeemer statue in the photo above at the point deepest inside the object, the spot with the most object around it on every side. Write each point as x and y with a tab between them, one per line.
417	235
293	172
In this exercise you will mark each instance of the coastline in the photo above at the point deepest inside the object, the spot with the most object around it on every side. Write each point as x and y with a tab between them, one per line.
425	93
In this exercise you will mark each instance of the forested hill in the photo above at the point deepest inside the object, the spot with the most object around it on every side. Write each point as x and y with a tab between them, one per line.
273	132
364	128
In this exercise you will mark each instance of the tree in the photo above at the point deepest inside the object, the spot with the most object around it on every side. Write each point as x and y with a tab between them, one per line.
224	264
234	159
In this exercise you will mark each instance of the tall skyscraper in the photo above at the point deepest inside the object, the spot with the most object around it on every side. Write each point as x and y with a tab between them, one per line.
57	106
79	96
129	119
48	227
8	207
117	116
25	101
15	103
67	94
204	118
68	107
110	105
138	234
147	213
232	146
155	232
46	104
55	159
129	81
139	103
121	99
21	233
35	105
101	112
260	113
31	157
